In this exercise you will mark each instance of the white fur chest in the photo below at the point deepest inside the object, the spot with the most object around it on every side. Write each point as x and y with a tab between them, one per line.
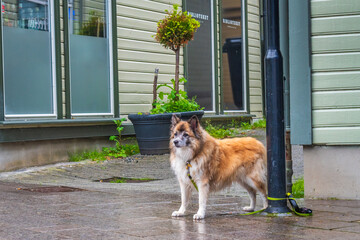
182	155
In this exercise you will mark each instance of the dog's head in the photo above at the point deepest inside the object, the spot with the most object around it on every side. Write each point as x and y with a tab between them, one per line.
184	133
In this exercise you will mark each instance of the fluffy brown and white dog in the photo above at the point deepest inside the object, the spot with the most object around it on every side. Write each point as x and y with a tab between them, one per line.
214	164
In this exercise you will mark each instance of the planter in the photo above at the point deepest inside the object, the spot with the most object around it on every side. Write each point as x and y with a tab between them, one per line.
153	131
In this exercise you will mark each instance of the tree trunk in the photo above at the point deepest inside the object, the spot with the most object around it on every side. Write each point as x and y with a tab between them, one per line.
177	72
155	86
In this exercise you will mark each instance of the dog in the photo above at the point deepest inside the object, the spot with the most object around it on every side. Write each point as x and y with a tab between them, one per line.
207	164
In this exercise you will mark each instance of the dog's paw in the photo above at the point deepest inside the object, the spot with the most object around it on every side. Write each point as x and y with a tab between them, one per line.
198	216
248	209
177	214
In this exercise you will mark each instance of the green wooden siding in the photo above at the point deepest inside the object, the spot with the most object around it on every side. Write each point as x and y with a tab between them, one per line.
139	54
335	42
254	58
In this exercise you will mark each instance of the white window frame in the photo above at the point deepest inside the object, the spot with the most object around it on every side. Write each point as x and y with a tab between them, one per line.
108	11
53	75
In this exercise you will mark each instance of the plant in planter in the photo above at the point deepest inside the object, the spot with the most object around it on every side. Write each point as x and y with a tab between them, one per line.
152	130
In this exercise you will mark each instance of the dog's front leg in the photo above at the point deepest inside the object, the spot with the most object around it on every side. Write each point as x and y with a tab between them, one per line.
203	196
185	199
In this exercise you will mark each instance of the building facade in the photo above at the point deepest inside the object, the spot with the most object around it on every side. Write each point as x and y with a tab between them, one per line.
325	94
70	67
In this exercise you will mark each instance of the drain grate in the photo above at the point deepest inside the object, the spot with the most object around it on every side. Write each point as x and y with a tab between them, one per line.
52	189
126	180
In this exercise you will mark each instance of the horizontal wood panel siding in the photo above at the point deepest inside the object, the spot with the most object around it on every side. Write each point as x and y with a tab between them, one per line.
335	71
139	54
254	59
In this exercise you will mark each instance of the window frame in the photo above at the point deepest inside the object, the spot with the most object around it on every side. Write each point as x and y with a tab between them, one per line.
53	17
244	59
113	79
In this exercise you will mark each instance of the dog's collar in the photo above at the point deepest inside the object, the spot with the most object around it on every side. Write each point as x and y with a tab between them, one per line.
188	166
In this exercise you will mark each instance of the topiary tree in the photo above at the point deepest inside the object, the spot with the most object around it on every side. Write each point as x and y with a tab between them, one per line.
174	32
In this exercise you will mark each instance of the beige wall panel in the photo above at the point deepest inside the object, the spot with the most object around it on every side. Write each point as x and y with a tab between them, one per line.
336	117
141	14
349	80
155	6
136	24
336	43
335	25
255	91
134	108
336	135
135	45
139	88
336	99
254	51
135	34
254	26
138	56
255	84
336	61
255	99
334	7
130	98
254	43
254	59
147	67
137	77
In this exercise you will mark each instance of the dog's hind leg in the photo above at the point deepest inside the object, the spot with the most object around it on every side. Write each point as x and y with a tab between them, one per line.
252	195
185	199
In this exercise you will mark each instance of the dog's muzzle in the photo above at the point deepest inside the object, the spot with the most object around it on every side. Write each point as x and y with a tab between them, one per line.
176	143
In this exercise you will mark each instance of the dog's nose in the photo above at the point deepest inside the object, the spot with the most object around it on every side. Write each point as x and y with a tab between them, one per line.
176	142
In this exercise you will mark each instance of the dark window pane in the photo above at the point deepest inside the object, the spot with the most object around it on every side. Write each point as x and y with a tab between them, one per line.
231	40
200	57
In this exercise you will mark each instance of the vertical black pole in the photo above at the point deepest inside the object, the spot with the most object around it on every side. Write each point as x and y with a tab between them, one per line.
275	132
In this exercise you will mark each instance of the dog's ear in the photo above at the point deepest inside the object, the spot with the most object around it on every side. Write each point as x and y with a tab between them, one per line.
194	123
174	120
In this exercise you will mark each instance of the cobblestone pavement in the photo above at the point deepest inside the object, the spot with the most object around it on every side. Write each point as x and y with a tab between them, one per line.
101	210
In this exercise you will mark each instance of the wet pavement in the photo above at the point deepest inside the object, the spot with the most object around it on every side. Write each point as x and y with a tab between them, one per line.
101	210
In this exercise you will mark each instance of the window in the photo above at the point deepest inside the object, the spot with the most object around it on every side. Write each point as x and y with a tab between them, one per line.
232	56
28	59
200	64
91	81
201	58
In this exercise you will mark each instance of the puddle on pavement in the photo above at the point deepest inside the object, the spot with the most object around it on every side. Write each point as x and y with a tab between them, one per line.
52	189
126	180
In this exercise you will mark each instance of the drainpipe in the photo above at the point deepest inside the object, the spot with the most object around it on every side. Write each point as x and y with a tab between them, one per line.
275	132
284	47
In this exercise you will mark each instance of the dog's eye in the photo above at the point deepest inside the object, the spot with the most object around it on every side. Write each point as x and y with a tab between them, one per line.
175	134
186	135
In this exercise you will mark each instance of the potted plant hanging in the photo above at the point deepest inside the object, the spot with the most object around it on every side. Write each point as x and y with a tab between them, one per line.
152	129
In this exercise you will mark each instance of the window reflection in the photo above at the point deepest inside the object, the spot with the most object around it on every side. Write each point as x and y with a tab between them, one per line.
27	14
231	38
88	17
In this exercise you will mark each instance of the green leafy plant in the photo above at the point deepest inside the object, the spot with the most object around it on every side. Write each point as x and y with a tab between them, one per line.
173	102
259	124
174	32
218	132
298	188
119	151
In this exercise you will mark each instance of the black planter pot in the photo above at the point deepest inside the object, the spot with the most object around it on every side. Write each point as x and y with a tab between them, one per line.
153	131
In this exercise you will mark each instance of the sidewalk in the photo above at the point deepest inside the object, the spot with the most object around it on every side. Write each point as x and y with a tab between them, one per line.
100	210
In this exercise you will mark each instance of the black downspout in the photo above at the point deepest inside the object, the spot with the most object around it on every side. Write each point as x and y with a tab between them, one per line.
275	132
